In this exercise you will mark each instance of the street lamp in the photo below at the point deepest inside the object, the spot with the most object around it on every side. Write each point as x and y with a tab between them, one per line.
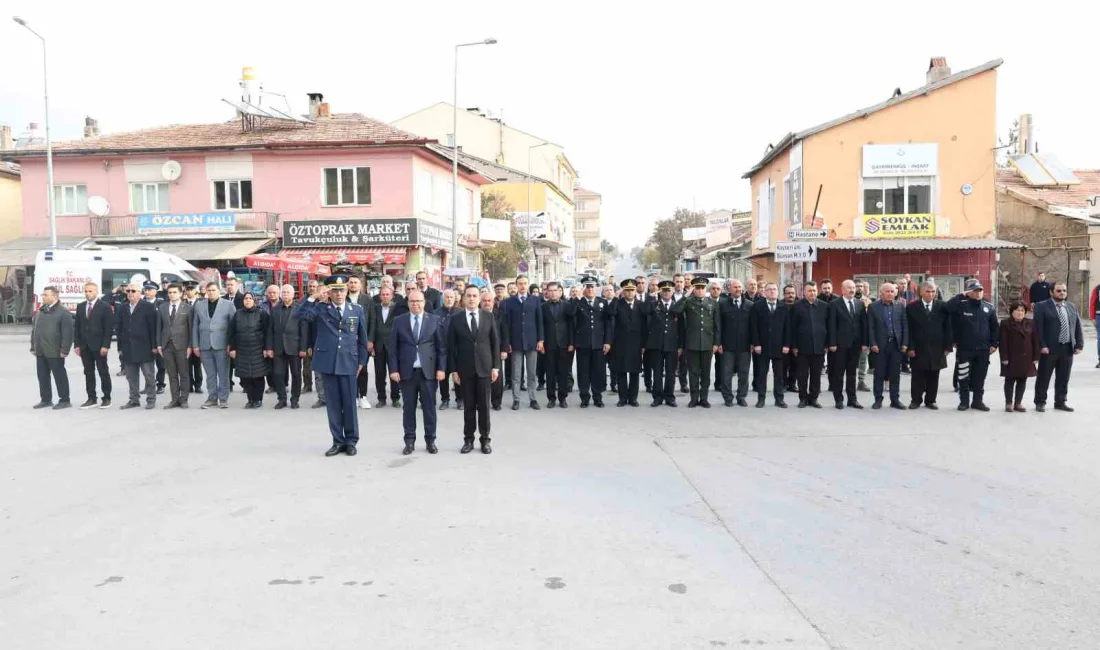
530	217
49	145
454	144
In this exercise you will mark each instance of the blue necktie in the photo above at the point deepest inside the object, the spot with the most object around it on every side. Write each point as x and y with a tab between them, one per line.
416	328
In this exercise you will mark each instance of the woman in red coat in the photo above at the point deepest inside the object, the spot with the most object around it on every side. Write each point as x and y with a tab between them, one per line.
1019	353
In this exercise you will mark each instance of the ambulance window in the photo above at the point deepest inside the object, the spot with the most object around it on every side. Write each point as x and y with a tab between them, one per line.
169	277
114	277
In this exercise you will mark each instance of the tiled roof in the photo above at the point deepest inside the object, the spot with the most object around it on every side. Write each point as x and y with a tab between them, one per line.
580	190
931	244
1071	196
791	138
339	129
10	168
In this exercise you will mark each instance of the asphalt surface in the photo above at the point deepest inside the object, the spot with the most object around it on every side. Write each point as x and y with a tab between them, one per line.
612	528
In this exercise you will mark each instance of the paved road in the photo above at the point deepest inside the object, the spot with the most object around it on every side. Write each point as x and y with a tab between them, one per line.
649	528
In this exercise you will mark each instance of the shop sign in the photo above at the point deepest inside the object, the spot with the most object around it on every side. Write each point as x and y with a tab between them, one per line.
494	229
900	160
364	232
897	226
201	222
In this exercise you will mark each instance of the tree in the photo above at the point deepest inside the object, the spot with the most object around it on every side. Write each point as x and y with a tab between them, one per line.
650	256
668	236
608	248
502	258
1007	146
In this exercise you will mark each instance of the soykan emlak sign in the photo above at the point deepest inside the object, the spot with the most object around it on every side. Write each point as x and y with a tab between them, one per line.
365	232
897	226
210	222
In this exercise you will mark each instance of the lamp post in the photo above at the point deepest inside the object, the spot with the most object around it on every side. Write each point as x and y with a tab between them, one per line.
49	144
454	151
530	217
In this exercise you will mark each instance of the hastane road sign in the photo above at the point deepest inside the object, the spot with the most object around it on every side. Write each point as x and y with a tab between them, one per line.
802	234
789	251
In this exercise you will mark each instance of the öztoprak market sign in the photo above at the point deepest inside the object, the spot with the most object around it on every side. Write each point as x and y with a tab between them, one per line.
897	226
364	232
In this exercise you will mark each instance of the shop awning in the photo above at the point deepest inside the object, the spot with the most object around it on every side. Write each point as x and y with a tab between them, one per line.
212	249
276	263
356	255
917	244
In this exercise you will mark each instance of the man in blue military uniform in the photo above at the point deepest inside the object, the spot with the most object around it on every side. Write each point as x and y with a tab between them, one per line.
339	355
593	332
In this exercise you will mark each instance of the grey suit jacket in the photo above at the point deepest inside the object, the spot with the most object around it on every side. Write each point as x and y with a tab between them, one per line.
211	333
178	330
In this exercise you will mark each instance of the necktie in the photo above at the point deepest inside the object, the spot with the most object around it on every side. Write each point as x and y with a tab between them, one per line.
771	307
473	323
88	315
928	306
172	313
1063	322
851	308
416	328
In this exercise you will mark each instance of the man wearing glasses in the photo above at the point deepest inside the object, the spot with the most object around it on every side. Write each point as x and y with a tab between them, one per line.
418	361
1058	326
209	340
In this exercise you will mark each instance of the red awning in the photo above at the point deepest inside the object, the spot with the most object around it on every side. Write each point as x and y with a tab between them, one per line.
357	255
275	263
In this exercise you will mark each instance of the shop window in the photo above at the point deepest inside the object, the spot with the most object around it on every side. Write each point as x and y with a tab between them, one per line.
346	186
232	195
898	195
148	197
70	199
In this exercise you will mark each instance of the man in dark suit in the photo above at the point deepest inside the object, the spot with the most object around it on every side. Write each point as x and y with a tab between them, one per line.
525	326
768	331
845	340
1058	326
734	310
194	364
432	296
496	390
174	344
626	347
386	311
95	325
593	332
289	336
555	345
137	342
473	344
809	330
664	344
150	289
929	343
888	337
418	360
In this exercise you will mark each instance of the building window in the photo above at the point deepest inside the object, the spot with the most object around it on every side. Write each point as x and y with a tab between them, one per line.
148	197
232	195
70	199
772	213
346	186
898	195
581	206
787	199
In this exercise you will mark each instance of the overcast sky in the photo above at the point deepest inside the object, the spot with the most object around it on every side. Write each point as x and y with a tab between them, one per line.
658	106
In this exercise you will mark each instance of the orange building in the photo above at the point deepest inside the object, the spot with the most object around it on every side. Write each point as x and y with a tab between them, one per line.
905	186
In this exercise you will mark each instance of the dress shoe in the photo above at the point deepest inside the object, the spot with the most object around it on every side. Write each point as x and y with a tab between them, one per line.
333	450
250	405
656	402
350	450
64	404
621	403
269	390
459	405
535	406
523	387
863	388
541	386
515	405
280	405
106	403
408	449
914	406
741	402
444	405
294	405
1040	408
1019	408
815	404
1009	409
496	407
633	402
91	403
693	403
670	402
551	404
966	407
877	405
979	406
728	401
380	404
485	448
319	404
932	406
803	403
1057	407
563	404
129	405
897	405
160	390
704	403
432	449
467	447
171	405
855	405
43	405
598	403
760	402
840	406
781	404
684	389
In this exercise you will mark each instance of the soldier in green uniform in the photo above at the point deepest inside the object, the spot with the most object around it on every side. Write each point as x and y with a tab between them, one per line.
702	333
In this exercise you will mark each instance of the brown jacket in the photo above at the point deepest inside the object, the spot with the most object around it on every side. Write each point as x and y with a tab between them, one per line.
1019	348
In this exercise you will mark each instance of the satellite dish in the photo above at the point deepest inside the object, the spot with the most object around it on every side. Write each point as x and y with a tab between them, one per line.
171	170
98	206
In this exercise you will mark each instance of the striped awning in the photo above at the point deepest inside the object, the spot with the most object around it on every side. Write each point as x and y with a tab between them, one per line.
351	255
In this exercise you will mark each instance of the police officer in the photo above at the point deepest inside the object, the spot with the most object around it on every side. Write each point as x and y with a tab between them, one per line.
626	350
339	356
977	334
702	332
593	331
664	344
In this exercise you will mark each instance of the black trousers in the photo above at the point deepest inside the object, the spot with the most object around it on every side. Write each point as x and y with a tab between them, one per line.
628	386
972	369
647	372
496	390
474	392
591	373
1014	389
55	367
362	383
809	375
159	362
558	372
925	386
699	363
756	361
843	370
95	362
778	367
292	362
1058	363
381	375
540	368
307	373
731	363
682	370
194	374
790	372
570	358
663	365
418	388
253	388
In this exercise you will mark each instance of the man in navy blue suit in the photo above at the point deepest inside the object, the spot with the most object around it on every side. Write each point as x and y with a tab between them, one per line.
339	355
418	362
525	326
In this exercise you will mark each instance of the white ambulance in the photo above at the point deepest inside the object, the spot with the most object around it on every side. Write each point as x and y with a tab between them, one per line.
107	266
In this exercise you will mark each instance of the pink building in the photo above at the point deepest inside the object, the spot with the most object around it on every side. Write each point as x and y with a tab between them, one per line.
344	185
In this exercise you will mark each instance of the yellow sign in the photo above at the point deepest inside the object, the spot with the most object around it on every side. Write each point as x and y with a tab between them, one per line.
897	226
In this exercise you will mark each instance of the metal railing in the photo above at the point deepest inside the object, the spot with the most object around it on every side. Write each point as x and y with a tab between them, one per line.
127	225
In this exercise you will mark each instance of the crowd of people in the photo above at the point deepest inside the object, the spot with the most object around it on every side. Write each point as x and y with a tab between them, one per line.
477	344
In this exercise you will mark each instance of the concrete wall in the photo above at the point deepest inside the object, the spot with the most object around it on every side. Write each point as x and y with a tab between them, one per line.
11	208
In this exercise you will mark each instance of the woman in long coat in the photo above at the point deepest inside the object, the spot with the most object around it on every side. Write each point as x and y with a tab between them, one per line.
248	343
1019	353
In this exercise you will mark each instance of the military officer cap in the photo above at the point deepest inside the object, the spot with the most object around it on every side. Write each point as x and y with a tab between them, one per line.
629	283
666	284
149	284
190	284
338	281
589	281
700	282
973	285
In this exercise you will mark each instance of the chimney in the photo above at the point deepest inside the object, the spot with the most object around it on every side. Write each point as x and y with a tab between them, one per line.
315	100
323	110
7	143
937	70
91	128
1025	135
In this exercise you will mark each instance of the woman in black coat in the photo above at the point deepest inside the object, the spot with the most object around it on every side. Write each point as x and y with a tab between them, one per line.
1019	354
247	344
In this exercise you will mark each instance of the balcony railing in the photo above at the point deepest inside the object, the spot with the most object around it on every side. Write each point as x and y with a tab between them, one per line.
169	225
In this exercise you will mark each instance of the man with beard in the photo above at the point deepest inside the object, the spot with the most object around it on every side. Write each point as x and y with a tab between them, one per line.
1058	327
790	368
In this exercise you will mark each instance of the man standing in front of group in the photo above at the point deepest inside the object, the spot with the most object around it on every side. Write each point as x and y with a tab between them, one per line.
210	340
888	337
555	345
174	344
593	332
846	341
525	326
136	325
809	329
1058	326
769	331
473	344
51	340
929	344
418	362
92	341
735	312
702	334
289	338
976	335
664	344
626	349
